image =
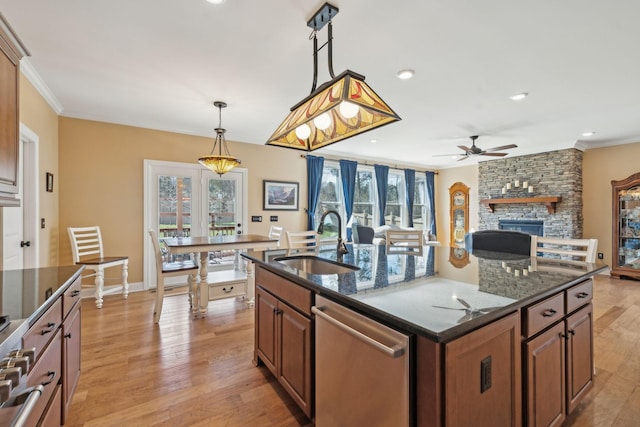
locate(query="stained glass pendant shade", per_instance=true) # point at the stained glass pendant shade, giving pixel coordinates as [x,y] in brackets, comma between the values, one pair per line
[341,108]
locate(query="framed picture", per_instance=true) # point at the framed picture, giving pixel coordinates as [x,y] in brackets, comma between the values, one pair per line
[280,196]
[49,182]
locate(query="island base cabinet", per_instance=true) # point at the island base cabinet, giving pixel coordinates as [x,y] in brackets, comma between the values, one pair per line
[546,378]
[283,344]
[559,369]
[483,376]
[71,329]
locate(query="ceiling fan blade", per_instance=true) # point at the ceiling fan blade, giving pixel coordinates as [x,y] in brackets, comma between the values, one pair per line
[448,308]
[463,157]
[494,154]
[466,149]
[463,302]
[448,155]
[504,147]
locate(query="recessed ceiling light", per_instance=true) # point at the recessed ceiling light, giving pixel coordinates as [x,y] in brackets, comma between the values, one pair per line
[373,141]
[519,96]
[589,133]
[405,74]
[216,1]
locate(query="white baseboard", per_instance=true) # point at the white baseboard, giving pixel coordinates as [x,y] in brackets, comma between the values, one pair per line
[89,292]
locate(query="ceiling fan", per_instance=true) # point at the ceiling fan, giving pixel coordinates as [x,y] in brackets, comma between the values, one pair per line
[470,312]
[474,150]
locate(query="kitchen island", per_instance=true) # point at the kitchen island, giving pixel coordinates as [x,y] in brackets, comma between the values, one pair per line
[489,339]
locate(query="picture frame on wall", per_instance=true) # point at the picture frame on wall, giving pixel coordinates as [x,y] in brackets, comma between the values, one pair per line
[280,195]
[49,182]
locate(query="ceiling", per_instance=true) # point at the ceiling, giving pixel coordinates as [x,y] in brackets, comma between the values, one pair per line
[160,64]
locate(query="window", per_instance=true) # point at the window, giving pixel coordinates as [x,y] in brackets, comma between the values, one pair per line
[420,214]
[365,204]
[364,198]
[330,194]
[395,209]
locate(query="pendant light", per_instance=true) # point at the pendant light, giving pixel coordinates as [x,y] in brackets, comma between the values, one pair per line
[220,163]
[340,108]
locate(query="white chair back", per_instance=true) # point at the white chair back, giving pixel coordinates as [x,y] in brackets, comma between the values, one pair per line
[570,249]
[275,232]
[307,240]
[86,242]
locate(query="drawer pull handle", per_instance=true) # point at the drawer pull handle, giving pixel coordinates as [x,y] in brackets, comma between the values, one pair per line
[52,376]
[51,326]
[548,312]
[67,335]
[582,295]
[227,291]
[75,293]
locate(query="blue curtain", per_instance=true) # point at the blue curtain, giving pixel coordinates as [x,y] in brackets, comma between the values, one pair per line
[382,179]
[431,196]
[410,187]
[348,175]
[314,182]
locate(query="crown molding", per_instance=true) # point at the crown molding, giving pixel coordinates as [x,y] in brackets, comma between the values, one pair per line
[32,75]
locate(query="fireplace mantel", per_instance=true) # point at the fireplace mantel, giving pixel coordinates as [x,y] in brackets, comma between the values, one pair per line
[549,202]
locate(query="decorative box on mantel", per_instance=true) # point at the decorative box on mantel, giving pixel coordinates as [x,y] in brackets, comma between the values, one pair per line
[549,202]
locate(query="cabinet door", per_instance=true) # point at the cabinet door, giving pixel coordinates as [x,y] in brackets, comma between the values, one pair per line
[295,355]
[579,355]
[266,308]
[70,356]
[483,376]
[8,123]
[546,378]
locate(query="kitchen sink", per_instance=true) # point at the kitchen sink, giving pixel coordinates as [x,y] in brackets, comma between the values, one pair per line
[316,265]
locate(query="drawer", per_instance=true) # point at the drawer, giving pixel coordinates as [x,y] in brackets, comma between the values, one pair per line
[47,371]
[41,332]
[232,289]
[293,294]
[71,296]
[579,295]
[543,314]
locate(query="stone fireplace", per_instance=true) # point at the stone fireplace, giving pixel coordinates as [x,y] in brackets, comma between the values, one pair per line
[555,173]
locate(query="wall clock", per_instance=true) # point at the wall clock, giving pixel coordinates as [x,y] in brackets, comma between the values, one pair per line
[459,213]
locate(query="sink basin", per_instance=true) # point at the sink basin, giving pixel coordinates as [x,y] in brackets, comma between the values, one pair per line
[315,265]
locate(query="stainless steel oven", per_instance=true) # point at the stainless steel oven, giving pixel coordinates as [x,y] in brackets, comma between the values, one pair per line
[363,370]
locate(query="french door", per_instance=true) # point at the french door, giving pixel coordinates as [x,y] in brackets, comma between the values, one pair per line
[184,199]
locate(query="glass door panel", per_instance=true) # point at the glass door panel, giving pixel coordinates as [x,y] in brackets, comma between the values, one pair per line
[174,206]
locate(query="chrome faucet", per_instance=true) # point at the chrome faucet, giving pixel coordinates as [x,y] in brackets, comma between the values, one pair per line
[342,248]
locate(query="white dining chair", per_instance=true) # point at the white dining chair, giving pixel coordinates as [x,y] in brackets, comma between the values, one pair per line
[275,232]
[171,269]
[87,250]
[301,241]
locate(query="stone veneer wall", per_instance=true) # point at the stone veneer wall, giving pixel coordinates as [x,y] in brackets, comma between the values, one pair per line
[555,173]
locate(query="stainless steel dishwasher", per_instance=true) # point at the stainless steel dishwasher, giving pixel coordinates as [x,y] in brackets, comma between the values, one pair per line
[363,370]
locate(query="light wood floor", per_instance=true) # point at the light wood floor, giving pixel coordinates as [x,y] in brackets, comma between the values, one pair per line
[187,372]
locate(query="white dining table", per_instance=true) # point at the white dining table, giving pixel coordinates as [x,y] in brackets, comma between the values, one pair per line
[203,245]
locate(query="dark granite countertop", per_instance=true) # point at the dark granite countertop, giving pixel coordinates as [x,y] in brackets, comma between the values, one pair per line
[26,294]
[426,293]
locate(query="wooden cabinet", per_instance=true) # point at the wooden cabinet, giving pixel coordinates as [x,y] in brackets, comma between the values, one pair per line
[71,328]
[626,227]
[483,376]
[11,51]
[559,360]
[283,335]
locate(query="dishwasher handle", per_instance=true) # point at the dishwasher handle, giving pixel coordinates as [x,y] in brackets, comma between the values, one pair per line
[393,352]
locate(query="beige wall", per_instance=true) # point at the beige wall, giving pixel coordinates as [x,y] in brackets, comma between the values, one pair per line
[38,116]
[101,181]
[468,175]
[600,167]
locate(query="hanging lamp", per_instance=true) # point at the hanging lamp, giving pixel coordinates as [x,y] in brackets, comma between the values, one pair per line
[220,163]
[340,108]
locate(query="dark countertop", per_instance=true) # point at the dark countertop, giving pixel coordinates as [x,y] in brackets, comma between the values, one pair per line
[425,293]
[26,294]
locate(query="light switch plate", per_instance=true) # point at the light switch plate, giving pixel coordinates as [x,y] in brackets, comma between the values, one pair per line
[256,218]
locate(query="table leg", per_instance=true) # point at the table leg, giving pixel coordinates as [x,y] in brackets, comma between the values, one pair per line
[203,285]
[251,283]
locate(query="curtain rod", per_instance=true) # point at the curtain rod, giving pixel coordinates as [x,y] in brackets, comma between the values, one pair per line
[304,156]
